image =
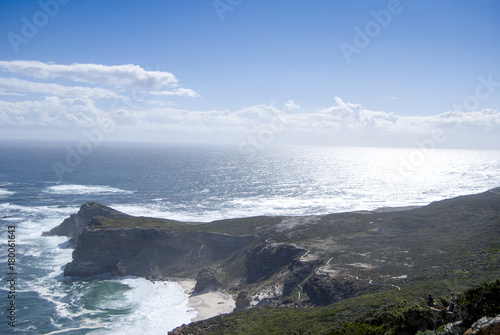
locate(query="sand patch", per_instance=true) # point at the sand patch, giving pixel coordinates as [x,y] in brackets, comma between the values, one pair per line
[207,304]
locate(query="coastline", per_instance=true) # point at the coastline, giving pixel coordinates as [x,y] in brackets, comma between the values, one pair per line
[207,304]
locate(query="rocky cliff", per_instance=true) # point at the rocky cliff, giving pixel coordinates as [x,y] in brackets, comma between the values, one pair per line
[73,226]
[148,252]
[313,260]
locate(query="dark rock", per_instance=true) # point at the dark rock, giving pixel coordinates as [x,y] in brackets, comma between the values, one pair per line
[242,301]
[299,271]
[485,326]
[264,260]
[206,280]
[324,289]
[273,302]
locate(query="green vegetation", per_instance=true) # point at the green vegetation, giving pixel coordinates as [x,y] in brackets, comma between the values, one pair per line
[243,226]
[473,304]
[137,222]
[480,301]
[367,315]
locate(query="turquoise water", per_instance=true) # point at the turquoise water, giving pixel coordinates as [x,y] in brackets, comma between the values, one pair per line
[39,189]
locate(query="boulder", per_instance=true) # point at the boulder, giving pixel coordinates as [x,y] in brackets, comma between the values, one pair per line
[242,301]
[206,280]
[485,326]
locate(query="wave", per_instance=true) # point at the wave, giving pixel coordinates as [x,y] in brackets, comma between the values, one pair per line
[121,306]
[85,189]
[157,307]
[208,210]
[5,193]
[20,212]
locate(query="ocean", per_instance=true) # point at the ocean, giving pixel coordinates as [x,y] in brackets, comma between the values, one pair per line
[43,183]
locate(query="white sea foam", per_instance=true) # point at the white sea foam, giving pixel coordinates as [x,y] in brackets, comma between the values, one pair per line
[146,307]
[4,193]
[185,214]
[156,308]
[54,212]
[37,255]
[85,189]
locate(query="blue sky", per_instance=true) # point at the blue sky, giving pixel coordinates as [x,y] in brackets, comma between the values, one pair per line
[331,72]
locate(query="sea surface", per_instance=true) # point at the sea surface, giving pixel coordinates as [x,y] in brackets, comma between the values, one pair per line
[43,183]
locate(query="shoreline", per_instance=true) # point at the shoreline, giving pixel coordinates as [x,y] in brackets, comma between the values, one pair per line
[207,304]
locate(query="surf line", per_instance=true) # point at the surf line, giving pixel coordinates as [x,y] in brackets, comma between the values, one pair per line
[11,275]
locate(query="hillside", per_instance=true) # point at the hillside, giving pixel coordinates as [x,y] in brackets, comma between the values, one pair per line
[347,262]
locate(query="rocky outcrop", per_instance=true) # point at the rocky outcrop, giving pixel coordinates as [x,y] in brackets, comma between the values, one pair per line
[485,326]
[299,271]
[207,280]
[326,289]
[242,301]
[264,260]
[73,226]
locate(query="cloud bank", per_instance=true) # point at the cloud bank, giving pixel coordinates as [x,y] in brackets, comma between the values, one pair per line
[37,95]
[118,75]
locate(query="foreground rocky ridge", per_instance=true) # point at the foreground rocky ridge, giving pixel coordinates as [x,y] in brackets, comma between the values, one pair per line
[293,261]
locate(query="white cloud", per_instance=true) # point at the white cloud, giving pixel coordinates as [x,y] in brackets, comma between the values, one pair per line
[43,102]
[354,116]
[487,118]
[14,86]
[116,75]
[291,106]
[340,119]
[51,111]
[186,92]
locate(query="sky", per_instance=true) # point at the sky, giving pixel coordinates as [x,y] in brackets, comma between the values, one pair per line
[256,73]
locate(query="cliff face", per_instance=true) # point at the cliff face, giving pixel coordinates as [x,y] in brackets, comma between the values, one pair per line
[264,260]
[148,252]
[325,289]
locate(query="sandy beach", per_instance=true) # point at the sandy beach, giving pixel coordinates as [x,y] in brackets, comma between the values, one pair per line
[207,304]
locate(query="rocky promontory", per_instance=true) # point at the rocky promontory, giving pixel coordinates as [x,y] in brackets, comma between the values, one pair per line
[73,226]
[291,261]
